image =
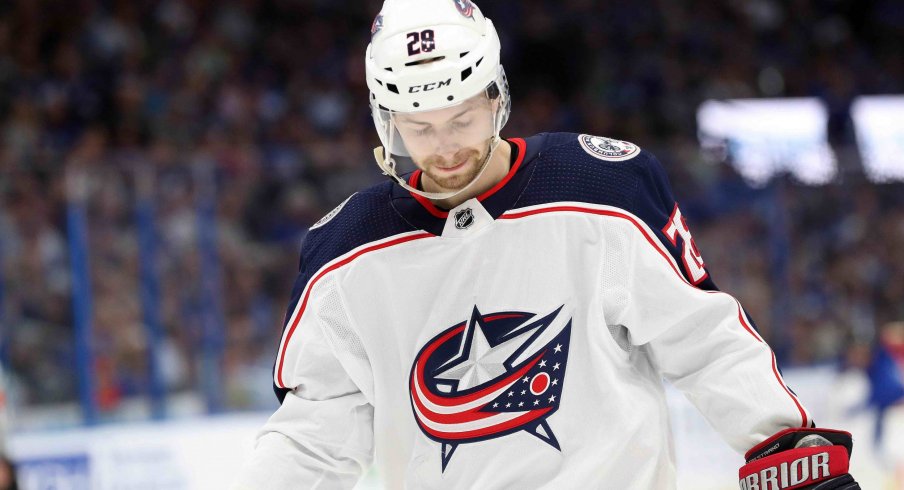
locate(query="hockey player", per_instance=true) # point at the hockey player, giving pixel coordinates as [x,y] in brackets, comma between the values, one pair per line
[502,316]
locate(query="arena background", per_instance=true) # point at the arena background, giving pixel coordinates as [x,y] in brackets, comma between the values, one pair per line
[161,161]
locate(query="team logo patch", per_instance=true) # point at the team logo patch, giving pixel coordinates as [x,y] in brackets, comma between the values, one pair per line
[464,219]
[491,376]
[332,214]
[608,149]
[465,7]
[376,26]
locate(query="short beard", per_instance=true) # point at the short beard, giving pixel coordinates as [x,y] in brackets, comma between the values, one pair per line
[472,167]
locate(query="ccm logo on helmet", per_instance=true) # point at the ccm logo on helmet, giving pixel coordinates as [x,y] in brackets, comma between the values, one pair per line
[429,86]
[788,474]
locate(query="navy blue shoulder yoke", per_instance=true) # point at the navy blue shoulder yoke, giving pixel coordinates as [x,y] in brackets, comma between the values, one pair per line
[590,169]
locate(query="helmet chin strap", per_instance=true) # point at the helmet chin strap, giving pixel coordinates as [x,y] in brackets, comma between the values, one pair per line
[387,164]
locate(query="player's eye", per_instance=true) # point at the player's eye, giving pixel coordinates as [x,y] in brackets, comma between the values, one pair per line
[423,131]
[461,123]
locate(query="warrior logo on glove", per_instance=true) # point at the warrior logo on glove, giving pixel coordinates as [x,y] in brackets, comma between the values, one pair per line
[491,376]
[800,459]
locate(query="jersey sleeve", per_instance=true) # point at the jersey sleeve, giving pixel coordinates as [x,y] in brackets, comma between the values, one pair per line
[322,434]
[700,339]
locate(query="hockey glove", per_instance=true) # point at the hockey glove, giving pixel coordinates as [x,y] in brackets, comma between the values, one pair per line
[800,459]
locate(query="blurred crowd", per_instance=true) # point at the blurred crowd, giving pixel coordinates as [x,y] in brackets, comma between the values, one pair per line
[261,106]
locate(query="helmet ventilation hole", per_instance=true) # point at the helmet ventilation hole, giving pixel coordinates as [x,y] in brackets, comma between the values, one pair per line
[425,61]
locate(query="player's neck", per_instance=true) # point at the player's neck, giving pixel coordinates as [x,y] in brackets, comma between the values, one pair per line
[497,168]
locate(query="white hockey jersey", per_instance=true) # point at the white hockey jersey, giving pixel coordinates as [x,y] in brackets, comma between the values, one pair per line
[517,341]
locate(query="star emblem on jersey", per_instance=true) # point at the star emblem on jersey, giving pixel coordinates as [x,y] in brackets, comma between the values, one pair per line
[607,148]
[464,219]
[491,376]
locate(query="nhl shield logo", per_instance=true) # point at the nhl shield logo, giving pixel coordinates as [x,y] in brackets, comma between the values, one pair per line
[464,219]
[491,376]
[608,149]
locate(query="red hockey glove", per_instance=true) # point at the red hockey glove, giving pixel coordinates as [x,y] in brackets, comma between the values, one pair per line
[800,459]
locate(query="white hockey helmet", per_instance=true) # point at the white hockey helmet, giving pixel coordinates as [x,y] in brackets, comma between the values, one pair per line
[427,55]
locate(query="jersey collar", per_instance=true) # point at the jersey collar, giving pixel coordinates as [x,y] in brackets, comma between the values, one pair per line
[423,214]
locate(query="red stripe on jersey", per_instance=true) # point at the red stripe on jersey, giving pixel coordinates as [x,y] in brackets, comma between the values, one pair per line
[522,149]
[800,408]
[495,429]
[500,317]
[426,203]
[439,213]
[310,285]
[460,417]
[650,240]
[803,413]
[743,321]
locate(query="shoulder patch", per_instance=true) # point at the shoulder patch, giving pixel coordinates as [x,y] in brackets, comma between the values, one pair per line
[332,214]
[608,149]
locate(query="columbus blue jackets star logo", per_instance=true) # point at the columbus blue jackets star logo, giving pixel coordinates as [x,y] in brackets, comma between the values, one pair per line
[465,7]
[489,377]
[376,26]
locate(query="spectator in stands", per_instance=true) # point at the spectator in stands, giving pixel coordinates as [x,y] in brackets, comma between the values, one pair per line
[7,475]
[886,374]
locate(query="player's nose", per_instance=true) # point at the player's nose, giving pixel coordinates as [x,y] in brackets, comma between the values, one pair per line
[446,145]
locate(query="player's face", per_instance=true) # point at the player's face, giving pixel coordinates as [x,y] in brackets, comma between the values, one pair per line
[449,145]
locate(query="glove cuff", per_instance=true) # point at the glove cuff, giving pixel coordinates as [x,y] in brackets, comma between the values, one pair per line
[794,468]
[791,438]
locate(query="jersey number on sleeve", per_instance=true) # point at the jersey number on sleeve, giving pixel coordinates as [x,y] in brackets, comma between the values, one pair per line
[693,262]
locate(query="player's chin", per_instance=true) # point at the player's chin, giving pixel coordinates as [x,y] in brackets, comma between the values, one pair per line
[456,177]
[463,162]
[450,183]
